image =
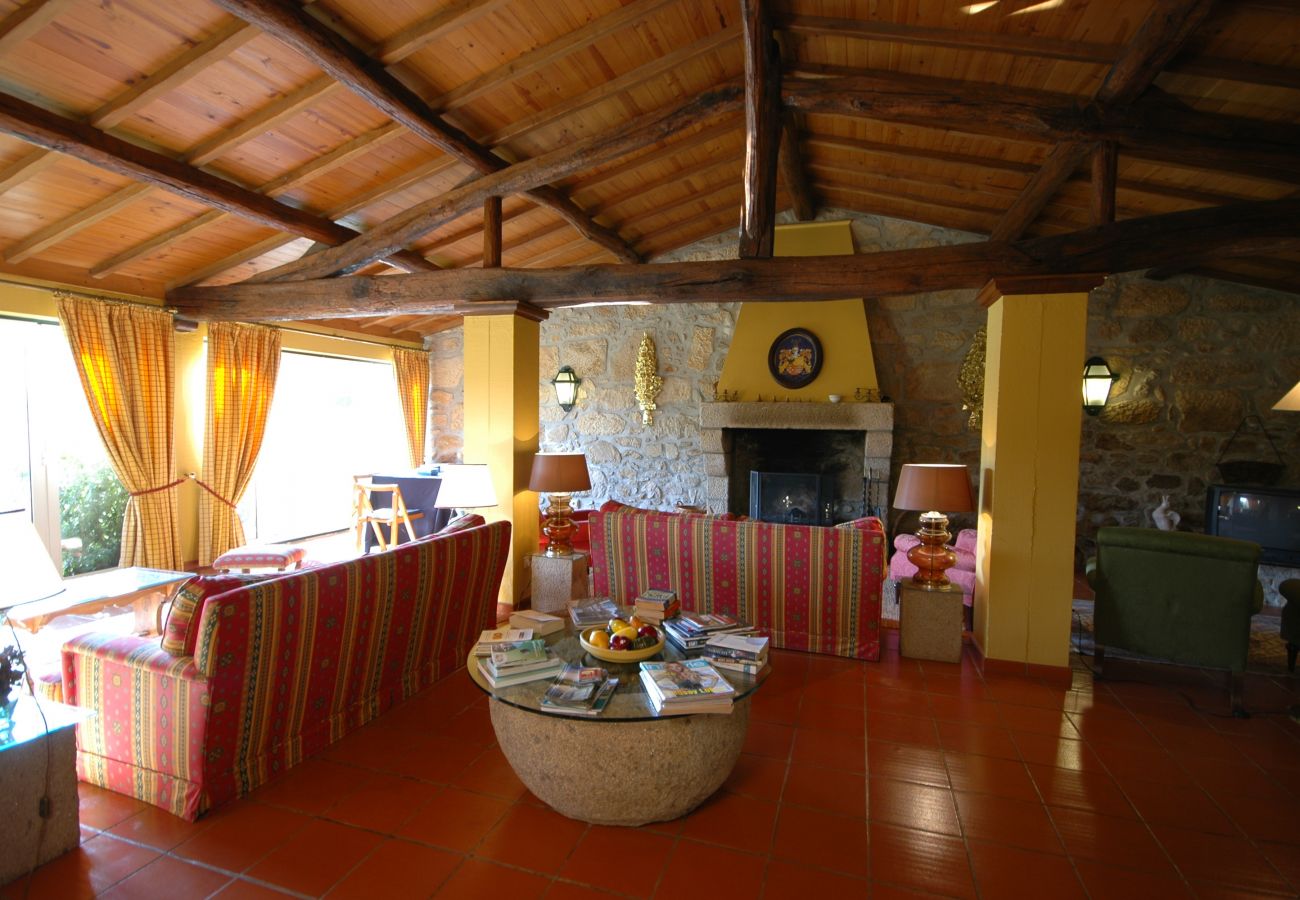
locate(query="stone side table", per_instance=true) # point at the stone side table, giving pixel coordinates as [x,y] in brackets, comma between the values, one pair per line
[662,766]
[930,622]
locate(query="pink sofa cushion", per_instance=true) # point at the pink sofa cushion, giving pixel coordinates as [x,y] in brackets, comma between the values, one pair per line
[264,557]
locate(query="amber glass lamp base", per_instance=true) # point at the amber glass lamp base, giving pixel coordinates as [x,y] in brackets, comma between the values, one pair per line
[932,557]
[559,528]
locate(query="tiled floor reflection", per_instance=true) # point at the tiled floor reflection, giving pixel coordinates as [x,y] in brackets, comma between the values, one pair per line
[889,780]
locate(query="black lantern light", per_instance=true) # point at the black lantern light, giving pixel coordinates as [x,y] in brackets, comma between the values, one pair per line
[566,387]
[1097,381]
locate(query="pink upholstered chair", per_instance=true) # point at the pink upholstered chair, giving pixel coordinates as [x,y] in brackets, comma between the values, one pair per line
[961,574]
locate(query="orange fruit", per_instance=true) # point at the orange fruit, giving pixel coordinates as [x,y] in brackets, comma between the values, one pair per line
[598,639]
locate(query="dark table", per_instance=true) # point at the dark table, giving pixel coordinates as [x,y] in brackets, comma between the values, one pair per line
[419,493]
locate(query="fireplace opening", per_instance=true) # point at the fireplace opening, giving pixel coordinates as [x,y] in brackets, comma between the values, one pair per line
[770,461]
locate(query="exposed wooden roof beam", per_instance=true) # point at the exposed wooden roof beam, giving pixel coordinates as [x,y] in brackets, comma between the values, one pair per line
[1060,164]
[261,121]
[1123,246]
[884,181]
[587,153]
[793,171]
[65,228]
[762,130]
[369,80]
[28,165]
[895,189]
[1104,169]
[1206,140]
[645,155]
[45,129]
[492,233]
[156,244]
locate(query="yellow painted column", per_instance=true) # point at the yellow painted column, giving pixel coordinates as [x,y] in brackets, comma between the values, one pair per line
[501,426]
[1029,471]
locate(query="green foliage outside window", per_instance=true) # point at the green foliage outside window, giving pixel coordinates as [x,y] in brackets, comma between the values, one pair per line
[92,503]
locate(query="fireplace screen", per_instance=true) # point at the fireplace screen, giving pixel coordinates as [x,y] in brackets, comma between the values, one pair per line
[791,498]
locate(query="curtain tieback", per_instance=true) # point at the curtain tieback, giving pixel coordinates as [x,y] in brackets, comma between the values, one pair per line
[161,487]
[209,489]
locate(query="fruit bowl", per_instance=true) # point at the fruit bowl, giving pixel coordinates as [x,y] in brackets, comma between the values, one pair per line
[618,656]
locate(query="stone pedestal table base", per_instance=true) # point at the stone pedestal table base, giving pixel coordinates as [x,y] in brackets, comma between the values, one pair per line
[611,772]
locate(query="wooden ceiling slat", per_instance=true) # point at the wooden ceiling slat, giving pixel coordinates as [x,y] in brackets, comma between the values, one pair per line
[641,158]
[22,169]
[649,188]
[227,40]
[27,20]
[156,244]
[65,228]
[965,39]
[540,57]
[413,37]
[263,120]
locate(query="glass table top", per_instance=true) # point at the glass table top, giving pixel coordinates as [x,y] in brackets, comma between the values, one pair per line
[629,703]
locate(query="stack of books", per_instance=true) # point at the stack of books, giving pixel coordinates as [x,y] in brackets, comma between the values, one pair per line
[690,631]
[495,638]
[590,613]
[519,663]
[541,623]
[737,652]
[655,605]
[579,691]
[686,687]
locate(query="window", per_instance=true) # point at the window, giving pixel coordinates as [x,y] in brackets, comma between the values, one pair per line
[331,419]
[52,461]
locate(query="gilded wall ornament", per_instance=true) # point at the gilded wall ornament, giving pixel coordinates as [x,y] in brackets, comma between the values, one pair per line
[648,382]
[970,378]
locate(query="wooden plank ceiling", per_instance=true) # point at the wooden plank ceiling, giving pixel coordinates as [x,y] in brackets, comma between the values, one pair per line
[281,155]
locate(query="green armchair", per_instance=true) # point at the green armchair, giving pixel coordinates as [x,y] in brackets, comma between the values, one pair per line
[1184,597]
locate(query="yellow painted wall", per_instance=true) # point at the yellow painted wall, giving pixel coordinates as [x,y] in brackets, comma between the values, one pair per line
[1029,477]
[501,429]
[840,325]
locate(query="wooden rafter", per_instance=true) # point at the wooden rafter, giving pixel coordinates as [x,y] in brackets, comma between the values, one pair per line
[26,20]
[1060,164]
[522,177]
[762,131]
[492,233]
[368,79]
[1104,170]
[794,170]
[1149,130]
[1123,246]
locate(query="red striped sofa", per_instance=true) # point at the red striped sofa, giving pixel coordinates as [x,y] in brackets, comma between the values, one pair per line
[810,588]
[281,669]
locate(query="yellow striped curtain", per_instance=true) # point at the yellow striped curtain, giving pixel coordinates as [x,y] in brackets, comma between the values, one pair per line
[243,362]
[126,357]
[412,370]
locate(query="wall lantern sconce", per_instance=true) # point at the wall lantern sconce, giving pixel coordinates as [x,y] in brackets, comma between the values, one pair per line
[566,387]
[1097,381]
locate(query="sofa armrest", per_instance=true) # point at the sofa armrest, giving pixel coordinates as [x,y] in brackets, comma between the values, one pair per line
[138,690]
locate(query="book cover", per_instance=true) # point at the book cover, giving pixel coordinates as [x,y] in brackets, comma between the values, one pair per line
[686,678]
[703,704]
[546,670]
[594,708]
[656,597]
[541,623]
[506,656]
[598,611]
[745,646]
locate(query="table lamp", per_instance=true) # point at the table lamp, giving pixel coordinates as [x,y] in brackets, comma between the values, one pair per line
[466,486]
[29,573]
[932,487]
[559,475]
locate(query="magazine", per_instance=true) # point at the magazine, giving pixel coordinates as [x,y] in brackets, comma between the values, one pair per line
[597,611]
[676,681]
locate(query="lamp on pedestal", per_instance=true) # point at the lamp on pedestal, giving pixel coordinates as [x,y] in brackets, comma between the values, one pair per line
[933,487]
[559,475]
[1290,402]
[29,575]
[465,486]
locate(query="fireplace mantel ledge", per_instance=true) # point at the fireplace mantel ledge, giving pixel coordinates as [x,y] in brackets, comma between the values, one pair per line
[823,416]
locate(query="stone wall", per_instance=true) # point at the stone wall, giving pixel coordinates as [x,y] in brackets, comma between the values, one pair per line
[1194,356]
[447,394]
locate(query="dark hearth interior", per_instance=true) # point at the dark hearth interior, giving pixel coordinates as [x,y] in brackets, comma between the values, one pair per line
[837,455]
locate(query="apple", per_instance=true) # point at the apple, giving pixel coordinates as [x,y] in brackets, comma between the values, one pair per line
[618,642]
[648,631]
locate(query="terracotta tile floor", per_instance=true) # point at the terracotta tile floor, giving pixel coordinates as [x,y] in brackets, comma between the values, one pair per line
[887,780]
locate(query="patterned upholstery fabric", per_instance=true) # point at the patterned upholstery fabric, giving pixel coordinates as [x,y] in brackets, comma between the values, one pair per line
[282,668]
[279,557]
[814,589]
[460,523]
[181,631]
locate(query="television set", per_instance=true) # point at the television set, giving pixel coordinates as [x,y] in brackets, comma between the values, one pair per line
[1267,516]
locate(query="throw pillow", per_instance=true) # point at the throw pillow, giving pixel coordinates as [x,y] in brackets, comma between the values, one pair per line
[181,633]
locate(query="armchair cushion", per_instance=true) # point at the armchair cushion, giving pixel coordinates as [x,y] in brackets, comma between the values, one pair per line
[1175,595]
[181,631]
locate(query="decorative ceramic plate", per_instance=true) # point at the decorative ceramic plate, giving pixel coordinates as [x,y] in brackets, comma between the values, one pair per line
[618,656]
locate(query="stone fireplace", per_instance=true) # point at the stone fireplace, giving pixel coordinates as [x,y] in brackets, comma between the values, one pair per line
[870,423]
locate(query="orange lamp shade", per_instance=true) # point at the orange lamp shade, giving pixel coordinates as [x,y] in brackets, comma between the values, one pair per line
[559,473]
[937,486]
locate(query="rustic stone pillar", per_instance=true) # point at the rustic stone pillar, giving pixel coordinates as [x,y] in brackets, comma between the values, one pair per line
[1029,470]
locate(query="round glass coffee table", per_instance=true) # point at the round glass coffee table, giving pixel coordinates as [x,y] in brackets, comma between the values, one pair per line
[627,766]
